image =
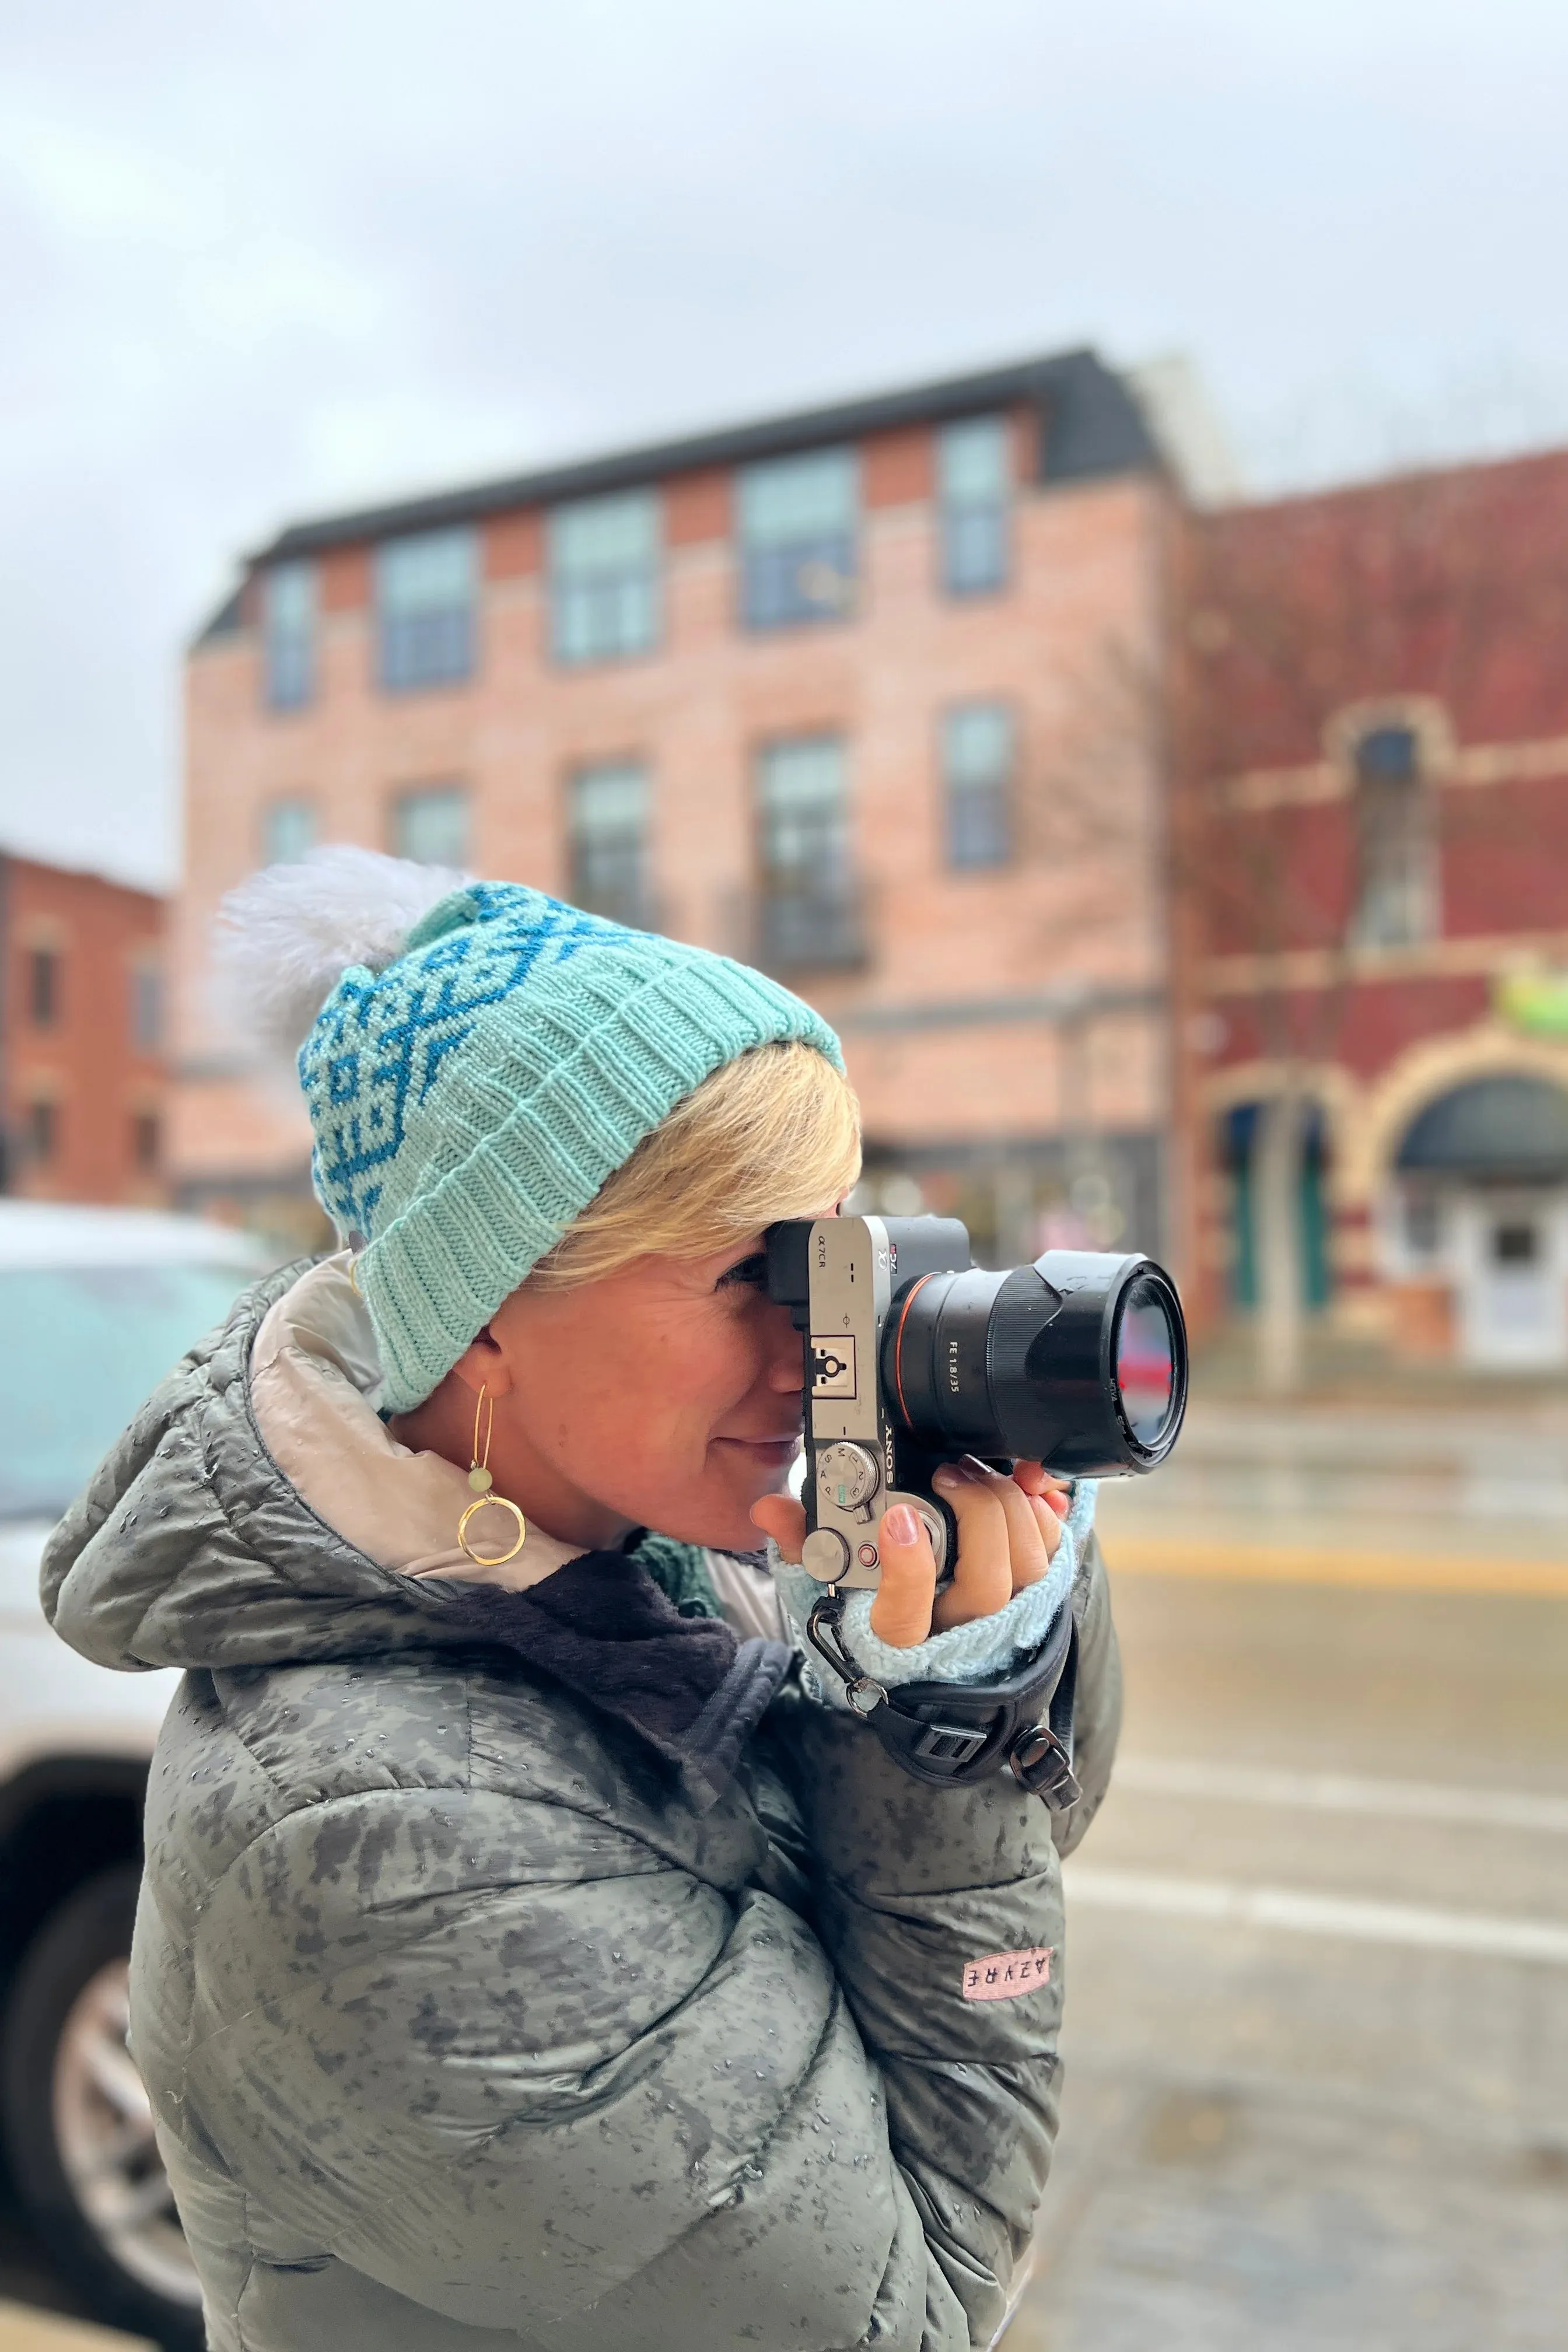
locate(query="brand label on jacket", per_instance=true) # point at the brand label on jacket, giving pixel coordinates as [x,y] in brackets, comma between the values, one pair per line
[1002,1976]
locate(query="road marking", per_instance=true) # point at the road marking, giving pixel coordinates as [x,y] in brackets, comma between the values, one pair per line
[1340,1792]
[1403,1571]
[1486,1935]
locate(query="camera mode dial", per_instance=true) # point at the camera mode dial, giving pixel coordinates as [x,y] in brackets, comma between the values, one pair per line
[847,1476]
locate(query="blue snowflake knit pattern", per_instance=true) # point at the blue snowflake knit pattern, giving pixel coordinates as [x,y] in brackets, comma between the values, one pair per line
[377,1048]
[469,1101]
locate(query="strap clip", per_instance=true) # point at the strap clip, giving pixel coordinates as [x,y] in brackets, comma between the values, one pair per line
[1040,1763]
[823,1631]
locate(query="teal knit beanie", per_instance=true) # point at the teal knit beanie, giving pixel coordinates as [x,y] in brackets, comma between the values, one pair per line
[469,1098]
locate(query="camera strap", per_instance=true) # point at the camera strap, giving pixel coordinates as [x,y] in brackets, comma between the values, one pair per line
[952,1734]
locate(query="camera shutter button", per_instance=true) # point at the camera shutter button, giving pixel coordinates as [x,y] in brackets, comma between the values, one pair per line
[825,1555]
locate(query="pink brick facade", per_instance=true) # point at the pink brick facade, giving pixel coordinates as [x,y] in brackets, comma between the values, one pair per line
[1006,1029]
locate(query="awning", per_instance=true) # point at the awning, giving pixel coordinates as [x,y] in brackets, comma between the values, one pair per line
[1502,1128]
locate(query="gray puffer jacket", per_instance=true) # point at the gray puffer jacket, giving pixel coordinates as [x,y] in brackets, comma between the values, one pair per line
[487,1998]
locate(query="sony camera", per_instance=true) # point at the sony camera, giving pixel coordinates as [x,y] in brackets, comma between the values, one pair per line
[914,1356]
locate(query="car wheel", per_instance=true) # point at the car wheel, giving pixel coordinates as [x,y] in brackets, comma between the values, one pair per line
[78,2125]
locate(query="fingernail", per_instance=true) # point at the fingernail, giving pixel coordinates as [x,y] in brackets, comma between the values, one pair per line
[900,1525]
[947,1474]
[975,1469]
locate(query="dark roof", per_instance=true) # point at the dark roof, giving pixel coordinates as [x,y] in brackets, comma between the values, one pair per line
[1094,427]
[229,617]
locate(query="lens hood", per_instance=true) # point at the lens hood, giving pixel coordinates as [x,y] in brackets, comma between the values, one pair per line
[1079,1361]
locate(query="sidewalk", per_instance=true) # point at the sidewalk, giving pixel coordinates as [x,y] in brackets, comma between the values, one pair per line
[1341,1371]
[23,2330]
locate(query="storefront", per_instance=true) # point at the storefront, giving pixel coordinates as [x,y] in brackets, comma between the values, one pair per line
[1018,1197]
[1481,1221]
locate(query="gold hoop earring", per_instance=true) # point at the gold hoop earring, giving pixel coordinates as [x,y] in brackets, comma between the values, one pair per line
[483,1484]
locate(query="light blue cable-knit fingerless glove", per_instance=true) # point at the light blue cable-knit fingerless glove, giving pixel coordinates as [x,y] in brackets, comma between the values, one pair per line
[982,1650]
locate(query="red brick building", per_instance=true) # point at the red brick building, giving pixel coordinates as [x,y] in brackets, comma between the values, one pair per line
[1373,883]
[827,691]
[81,1066]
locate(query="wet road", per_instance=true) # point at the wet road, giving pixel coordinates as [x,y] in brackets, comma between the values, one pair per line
[1317,2044]
[1317,2084]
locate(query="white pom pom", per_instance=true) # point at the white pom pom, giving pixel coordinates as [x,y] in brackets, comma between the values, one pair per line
[285,937]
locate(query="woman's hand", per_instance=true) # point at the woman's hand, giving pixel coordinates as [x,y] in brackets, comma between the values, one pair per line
[1008,1531]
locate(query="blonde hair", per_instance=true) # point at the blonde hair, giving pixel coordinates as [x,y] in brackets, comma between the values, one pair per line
[775,1133]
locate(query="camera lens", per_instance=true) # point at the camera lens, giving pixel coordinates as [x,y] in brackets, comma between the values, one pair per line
[1079,1361]
[1146,1362]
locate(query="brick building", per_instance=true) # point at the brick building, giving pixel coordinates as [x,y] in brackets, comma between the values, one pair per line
[81,1069]
[1375,899]
[832,692]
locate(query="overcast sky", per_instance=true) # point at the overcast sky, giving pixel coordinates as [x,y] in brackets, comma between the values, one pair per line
[260,262]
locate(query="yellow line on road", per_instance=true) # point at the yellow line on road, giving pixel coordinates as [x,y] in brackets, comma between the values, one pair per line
[1405,1572]
[22,2330]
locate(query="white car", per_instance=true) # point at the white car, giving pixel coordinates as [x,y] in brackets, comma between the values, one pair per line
[96,1305]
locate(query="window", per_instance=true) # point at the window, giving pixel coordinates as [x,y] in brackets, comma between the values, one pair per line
[977,779]
[145,1141]
[797,538]
[974,487]
[44,987]
[603,577]
[426,592]
[608,829]
[41,1133]
[431,826]
[288,635]
[288,832]
[146,1007]
[1396,870]
[808,905]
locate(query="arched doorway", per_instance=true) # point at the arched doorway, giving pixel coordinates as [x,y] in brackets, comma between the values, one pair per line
[1238,1136]
[1483,1180]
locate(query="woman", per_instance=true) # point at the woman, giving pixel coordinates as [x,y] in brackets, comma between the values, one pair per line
[530,1954]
